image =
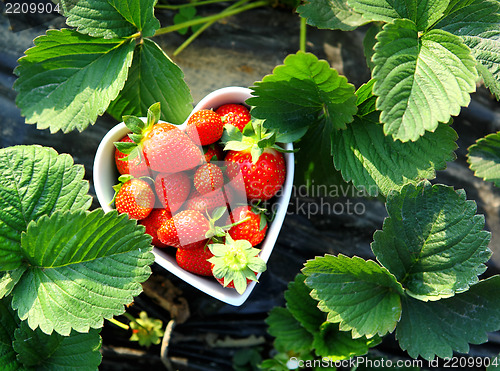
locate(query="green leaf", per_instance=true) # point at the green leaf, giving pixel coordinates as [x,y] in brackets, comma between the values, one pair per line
[8,326]
[378,164]
[81,267]
[330,14]
[432,241]
[56,352]
[302,91]
[112,18]
[424,13]
[360,295]
[369,42]
[478,24]
[420,81]
[289,333]
[9,279]
[302,306]
[68,79]
[438,328]
[153,77]
[337,345]
[35,181]
[484,158]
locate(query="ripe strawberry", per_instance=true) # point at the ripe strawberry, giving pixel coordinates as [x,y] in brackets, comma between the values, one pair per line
[195,260]
[135,166]
[235,262]
[205,127]
[234,114]
[207,202]
[208,178]
[213,152]
[134,197]
[172,189]
[164,146]
[264,178]
[185,229]
[153,222]
[253,230]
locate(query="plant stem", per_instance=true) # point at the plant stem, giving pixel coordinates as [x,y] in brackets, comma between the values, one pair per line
[204,27]
[303,32]
[119,324]
[198,3]
[215,17]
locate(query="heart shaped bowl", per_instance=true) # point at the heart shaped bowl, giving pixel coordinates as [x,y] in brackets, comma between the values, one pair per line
[105,176]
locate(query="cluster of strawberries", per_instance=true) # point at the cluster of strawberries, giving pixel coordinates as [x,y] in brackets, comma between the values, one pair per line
[197,190]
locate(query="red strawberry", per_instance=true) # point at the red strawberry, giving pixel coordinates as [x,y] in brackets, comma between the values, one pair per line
[213,152]
[164,146]
[168,149]
[264,178]
[234,114]
[172,189]
[185,229]
[135,166]
[235,262]
[195,260]
[134,197]
[205,127]
[207,202]
[254,229]
[208,178]
[153,222]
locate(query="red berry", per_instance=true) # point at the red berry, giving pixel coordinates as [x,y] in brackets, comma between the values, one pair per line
[250,229]
[153,222]
[172,189]
[205,127]
[167,149]
[234,114]
[208,178]
[135,198]
[134,166]
[207,202]
[185,229]
[195,260]
[264,178]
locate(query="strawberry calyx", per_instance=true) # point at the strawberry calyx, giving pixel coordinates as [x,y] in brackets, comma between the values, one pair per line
[139,130]
[254,138]
[216,232]
[236,262]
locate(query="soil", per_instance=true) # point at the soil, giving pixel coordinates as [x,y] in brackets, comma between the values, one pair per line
[237,52]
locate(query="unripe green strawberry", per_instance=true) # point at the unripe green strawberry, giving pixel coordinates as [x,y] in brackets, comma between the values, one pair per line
[172,189]
[208,178]
[195,260]
[253,229]
[135,198]
[205,127]
[234,114]
[186,230]
[153,221]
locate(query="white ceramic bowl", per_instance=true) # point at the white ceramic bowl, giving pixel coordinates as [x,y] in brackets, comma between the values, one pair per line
[105,176]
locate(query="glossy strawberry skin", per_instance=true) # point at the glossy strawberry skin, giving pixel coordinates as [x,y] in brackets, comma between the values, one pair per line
[248,230]
[234,114]
[134,166]
[135,198]
[167,149]
[172,189]
[195,260]
[208,178]
[205,127]
[207,202]
[186,230]
[264,178]
[213,152]
[153,221]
